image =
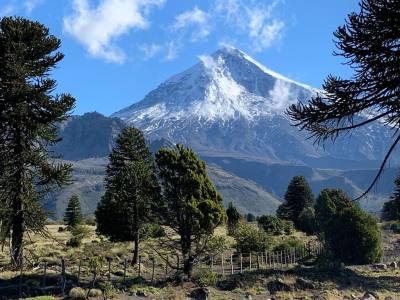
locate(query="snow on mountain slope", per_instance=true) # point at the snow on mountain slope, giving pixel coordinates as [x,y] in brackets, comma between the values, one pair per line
[229,103]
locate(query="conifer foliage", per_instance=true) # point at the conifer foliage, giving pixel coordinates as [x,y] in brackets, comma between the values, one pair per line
[193,208]
[369,41]
[391,209]
[29,114]
[233,218]
[73,214]
[298,197]
[131,190]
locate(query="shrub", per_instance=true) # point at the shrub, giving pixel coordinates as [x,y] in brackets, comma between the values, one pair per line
[74,242]
[352,235]
[90,221]
[291,243]
[206,278]
[395,227]
[274,225]
[61,229]
[95,293]
[77,293]
[217,244]
[108,289]
[250,238]
[306,221]
[153,230]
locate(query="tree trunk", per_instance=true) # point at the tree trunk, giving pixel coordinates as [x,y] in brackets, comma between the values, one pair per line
[187,255]
[17,235]
[135,258]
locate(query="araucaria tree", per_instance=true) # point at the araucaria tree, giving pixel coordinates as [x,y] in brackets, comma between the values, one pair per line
[391,209]
[29,114]
[193,208]
[369,41]
[73,214]
[233,218]
[298,197]
[131,190]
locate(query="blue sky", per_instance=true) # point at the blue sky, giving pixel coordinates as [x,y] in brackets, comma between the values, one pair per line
[116,51]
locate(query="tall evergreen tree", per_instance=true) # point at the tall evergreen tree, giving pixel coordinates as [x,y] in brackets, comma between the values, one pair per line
[233,218]
[391,209]
[131,190]
[193,208]
[29,114]
[297,198]
[369,41]
[73,214]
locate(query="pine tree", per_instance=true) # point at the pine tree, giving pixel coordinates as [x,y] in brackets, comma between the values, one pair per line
[369,41]
[233,218]
[131,190]
[29,115]
[73,214]
[193,208]
[297,198]
[391,209]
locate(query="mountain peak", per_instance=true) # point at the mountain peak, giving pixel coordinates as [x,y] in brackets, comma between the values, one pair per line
[225,86]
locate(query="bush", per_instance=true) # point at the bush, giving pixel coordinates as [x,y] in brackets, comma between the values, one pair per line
[77,293]
[206,278]
[153,230]
[351,235]
[395,227]
[306,221]
[217,244]
[90,221]
[291,243]
[61,229]
[108,289]
[95,293]
[274,225]
[250,238]
[74,242]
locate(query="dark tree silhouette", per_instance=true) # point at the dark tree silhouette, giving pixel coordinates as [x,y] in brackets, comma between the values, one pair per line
[29,115]
[233,218]
[391,209]
[369,41]
[73,214]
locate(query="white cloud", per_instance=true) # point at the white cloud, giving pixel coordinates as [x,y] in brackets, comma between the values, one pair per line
[30,5]
[172,49]
[196,18]
[281,96]
[150,50]
[255,19]
[98,28]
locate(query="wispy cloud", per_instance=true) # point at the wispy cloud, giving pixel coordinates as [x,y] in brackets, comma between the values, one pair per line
[150,50]
[97,28]
[197,20]
[15,7]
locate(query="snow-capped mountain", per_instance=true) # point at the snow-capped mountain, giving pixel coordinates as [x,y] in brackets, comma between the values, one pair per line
[229,103]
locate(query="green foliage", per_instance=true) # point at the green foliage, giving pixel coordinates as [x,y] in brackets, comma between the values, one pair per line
[352,235]
[79,232]
[153,230]
[250,238]
[298,197]
[131,190]
[275,226]
[108,289]
[395,227]
[74,242]
[391,209]
[42,298]
[77,293]
[217,244]
[73,214]
[289,244]
[233,218]
[192,206]
[306,221]
[206,278]
[29,114]
[250,218]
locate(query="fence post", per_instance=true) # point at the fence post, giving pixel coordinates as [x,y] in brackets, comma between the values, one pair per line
[152,269]
[212,263]
[241,263]
[78,281]
[124,280]
[222,264]
[63,279]
[262,260]
[231,264]
[250,262]
[140,265]
[177,261]
[258,263]
[109,268]
[44,274]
